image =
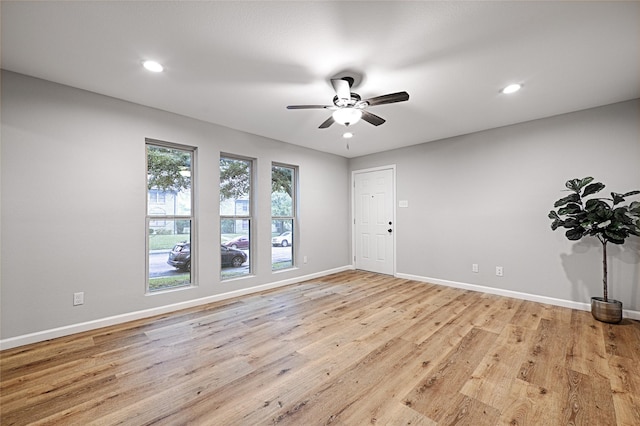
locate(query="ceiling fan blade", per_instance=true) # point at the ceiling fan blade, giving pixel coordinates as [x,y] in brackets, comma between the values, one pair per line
[328,122]
[342,88]
[372,118]
[308,106]
[388,99]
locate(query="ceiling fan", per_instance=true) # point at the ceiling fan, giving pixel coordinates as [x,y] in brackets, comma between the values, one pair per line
[348,107]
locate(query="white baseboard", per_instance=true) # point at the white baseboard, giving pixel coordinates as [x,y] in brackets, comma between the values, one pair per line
[626,313]
[53,333]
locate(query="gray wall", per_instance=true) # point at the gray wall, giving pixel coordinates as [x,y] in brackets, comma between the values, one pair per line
[73,205]
[67,154]
[484,198]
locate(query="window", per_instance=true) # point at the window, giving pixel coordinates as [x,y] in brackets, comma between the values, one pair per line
[156,197]
[235,216]
[169,216]
[283,215]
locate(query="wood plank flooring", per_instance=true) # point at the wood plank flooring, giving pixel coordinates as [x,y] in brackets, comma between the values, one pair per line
[353,348]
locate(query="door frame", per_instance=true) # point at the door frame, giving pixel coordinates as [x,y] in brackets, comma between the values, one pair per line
[391,167]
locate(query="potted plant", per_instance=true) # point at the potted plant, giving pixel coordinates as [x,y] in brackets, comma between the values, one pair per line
[607,219]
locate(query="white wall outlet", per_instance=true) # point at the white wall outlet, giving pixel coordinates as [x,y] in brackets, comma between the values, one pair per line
[304,259]
[499,271]
[78,298]
[474,267]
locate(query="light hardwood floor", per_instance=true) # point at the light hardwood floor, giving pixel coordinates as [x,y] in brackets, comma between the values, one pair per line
[353,348]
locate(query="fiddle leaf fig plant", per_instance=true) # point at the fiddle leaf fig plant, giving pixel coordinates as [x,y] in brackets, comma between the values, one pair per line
[583,214]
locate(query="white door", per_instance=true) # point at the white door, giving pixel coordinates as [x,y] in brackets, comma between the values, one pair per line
[373,221]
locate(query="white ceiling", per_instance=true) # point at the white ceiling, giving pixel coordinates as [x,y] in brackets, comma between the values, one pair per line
[239,64]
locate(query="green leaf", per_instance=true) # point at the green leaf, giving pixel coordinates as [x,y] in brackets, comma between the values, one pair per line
[629,194]
[605,213]
[617,198]
[571,223]
[585,181]
[595,204]
[571,208]
[556,224]
[616,237]
[553,215]
[592,189]
[573,198]
[621,215]
[577,184]
[592,217]
[574,233]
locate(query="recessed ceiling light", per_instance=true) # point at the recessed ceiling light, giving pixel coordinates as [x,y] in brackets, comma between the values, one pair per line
[347,135]
[512,88]
[153,66]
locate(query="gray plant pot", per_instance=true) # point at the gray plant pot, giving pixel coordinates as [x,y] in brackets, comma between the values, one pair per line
[609,311]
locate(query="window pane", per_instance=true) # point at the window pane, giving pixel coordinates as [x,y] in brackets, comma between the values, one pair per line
[235,247]
[235,187]
[282,244]
[168,181]
[281,190]
[169,253]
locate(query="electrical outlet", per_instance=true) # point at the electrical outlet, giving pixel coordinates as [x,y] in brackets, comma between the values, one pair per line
[499,271]
[304,259]
[474,267]
[78,298]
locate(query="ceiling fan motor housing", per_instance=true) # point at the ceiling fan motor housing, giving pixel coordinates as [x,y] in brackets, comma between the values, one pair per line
[341,103]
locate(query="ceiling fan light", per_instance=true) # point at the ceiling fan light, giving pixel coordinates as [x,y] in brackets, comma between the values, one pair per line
[347,116]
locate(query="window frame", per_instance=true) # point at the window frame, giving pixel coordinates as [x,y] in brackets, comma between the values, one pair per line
[294,214]
[250,216]
[192,150]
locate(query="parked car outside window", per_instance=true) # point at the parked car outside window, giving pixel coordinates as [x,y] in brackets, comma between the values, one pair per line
[240,242]
[232,257]
[180,256]
[283,239]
